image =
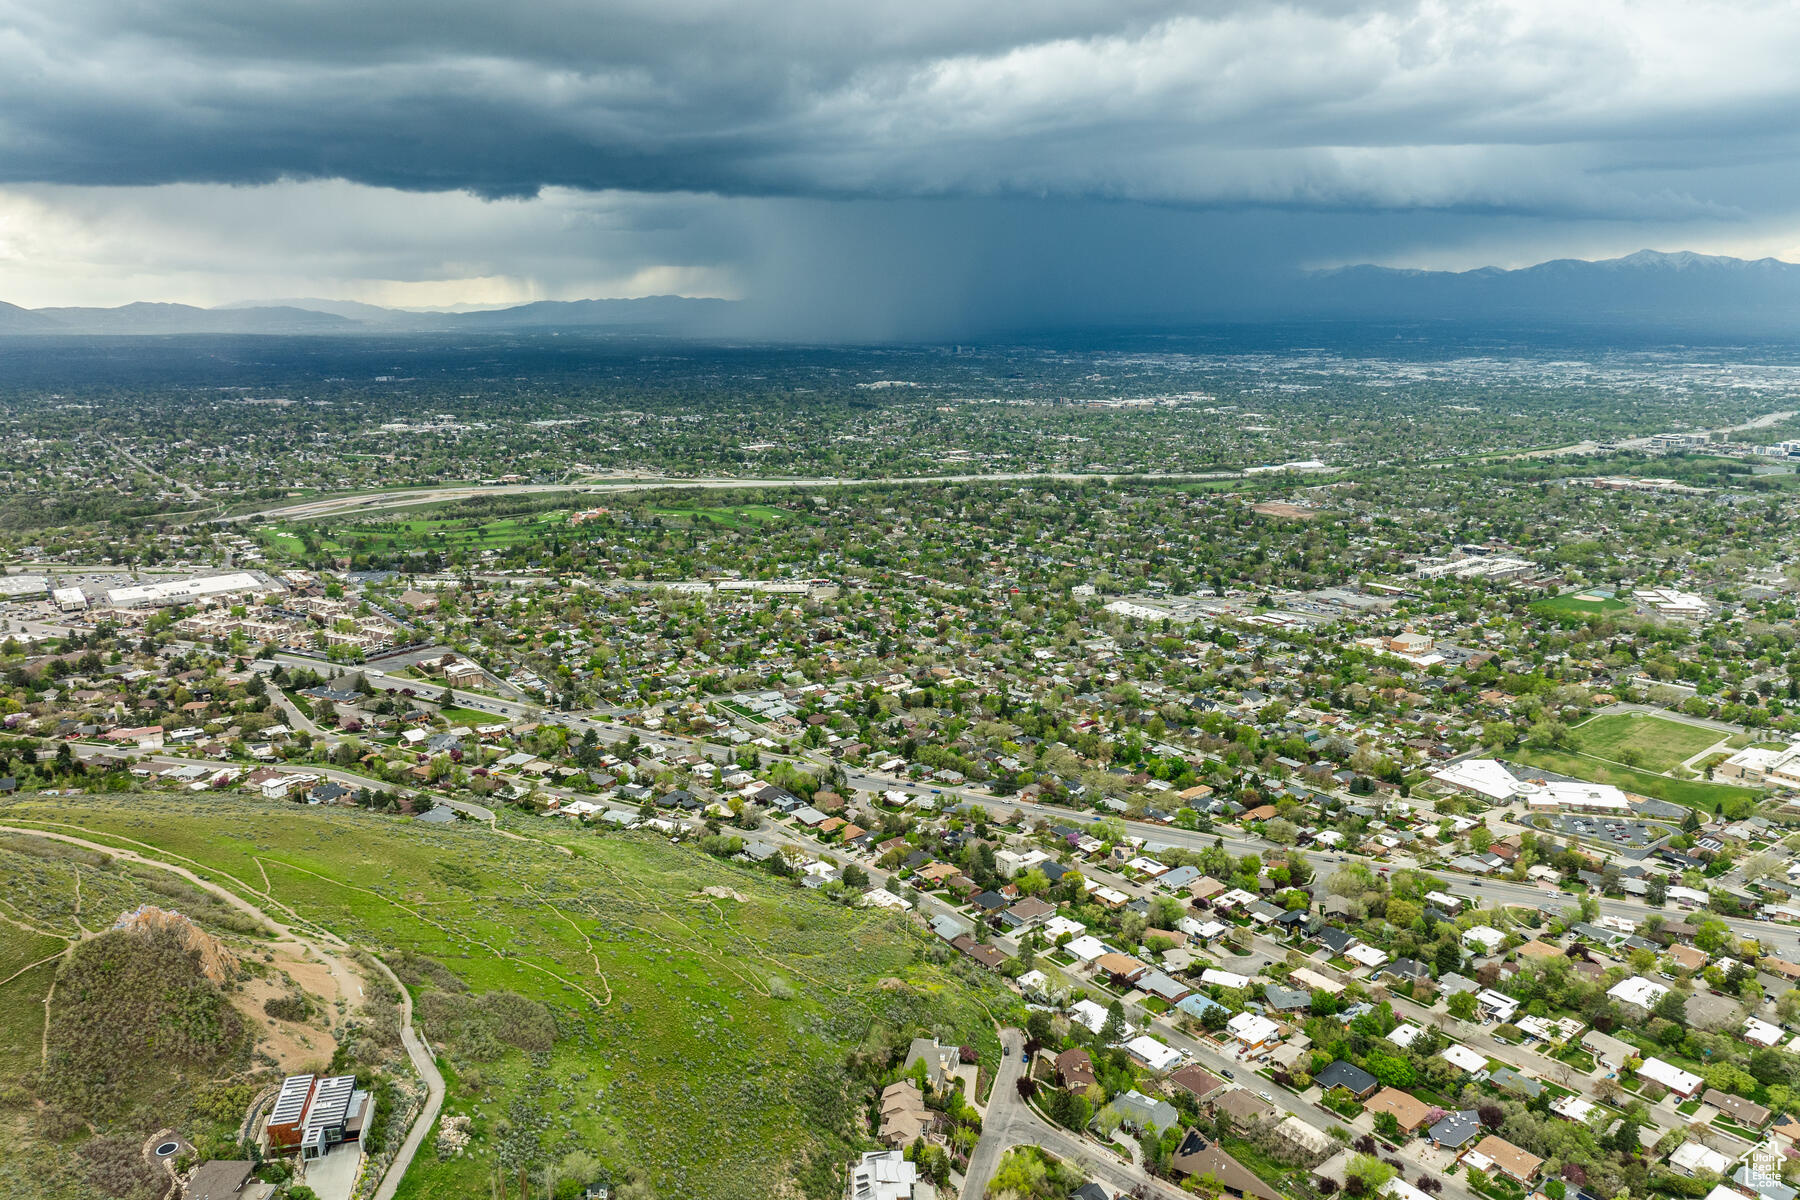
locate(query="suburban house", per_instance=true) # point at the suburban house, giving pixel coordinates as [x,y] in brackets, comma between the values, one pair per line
[1352,1078]
[886,1175]
[1075,1069]
[1455,1130]
[904,1117]
[1745,1112]
[1405,1109]
[1682,1083]
[1608,1051]
[314,1114]
[1199,1156]
[1496,1155]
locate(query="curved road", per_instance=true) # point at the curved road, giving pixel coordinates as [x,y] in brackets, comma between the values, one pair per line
[346,980]
[1011,1122]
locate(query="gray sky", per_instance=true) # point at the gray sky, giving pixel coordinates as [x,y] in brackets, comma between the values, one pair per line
[875,168]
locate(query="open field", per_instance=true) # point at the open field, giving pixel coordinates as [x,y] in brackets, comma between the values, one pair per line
[1572,605]
[732,516]
[699,1043]
[1705,797]
[1657,744]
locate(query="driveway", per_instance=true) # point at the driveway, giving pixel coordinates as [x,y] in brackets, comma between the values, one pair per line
[333,1176]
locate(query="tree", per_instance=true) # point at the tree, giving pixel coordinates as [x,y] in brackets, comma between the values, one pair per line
[1113,1031]
[1462,1006]
[1672,1007]
[1388,1126]
[1369,1172]
[855,877]
[1281,832]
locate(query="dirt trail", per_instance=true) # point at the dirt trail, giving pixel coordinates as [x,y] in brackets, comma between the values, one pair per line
[341,971]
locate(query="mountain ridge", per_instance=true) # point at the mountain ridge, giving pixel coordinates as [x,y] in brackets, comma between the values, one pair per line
[1650,288]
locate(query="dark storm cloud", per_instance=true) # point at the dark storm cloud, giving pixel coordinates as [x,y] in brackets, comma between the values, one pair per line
[1586,110]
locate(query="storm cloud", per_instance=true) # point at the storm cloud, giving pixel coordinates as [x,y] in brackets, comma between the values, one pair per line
[781,149]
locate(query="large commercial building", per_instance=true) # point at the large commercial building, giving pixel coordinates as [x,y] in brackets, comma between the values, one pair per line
[1763,767]
[186,591]
[1496,782]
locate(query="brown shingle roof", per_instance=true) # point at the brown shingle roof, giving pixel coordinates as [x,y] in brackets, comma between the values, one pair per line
[1075,1068]
[1407,1109]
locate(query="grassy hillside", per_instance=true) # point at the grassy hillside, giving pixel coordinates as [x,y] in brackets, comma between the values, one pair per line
[698,1044]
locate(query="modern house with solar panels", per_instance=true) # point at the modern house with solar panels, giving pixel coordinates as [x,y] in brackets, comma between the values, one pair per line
[312,1114]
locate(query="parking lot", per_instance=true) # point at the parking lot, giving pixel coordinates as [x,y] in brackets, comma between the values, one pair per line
[1620,833]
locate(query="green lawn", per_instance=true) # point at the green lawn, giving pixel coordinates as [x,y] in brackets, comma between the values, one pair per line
[732,516]
[1660,744]
[1572,605]
[457,715]
[700,1043]
[419,529]
[1695,794]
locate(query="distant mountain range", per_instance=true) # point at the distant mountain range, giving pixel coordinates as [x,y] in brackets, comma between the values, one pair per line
[672,315]
[1648,289]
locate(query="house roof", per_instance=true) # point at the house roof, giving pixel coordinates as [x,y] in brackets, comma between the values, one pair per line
[1121,965]
[1508,1157]
[1243,1105]
[1406,1109]
[219,1179]
[1196,1081]
[1456,1128]
[1348,1076]
[1745,1112]
[1198,1155]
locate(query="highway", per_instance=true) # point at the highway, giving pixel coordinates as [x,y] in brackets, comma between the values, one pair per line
[361,502]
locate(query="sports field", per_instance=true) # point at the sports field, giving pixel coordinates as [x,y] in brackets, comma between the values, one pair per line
[1641,740]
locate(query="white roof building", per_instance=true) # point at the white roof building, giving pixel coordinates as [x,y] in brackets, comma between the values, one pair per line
[1577,796]
[1691,1158]
[181,591]
[1399,1189]
[1574,1108]
[1497,1005]
[1088,1014]
[886,1175]
[1761,1033]
[1252,1029]
[1464,1059]
[1485,936]
[1368,956]
[1405,1035]
[1227,979]
[1153,1054]
[1484,777]
[1644,993]
[1087,947]
[1682,1083]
